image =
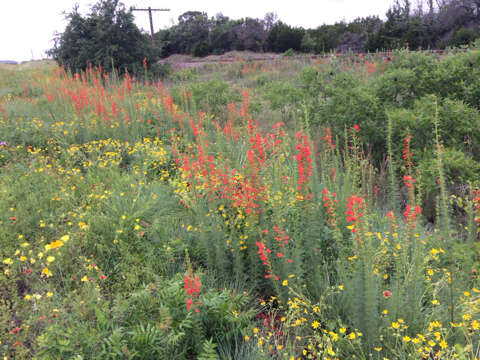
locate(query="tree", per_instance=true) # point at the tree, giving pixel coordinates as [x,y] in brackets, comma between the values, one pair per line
[249,34]
[283,37]
[308,44]
[107,37]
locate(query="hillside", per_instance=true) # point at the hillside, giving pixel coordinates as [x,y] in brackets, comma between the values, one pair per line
[288,208]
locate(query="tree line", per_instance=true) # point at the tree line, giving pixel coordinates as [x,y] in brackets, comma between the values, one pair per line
[425,25]
[109,36]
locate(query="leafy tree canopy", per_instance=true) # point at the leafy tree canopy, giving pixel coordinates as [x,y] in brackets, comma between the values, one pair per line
[107,37]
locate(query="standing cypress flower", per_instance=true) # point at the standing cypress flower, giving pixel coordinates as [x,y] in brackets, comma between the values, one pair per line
[353,215]
[304,164]
[192,288]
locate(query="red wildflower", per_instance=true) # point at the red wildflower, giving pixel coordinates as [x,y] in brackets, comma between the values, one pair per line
[192,288]
[304,160]
[386,294]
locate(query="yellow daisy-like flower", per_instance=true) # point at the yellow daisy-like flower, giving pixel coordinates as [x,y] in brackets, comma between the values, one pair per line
[352,336]
[48,294]
[333,335]
[7,261]
[84,278]
[315,324]
[65,238]
[82,225]
[46,272]
[285,282]
[50,259]
[330,351]
[53,245]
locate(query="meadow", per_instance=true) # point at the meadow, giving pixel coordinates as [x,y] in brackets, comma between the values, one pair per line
[297,208]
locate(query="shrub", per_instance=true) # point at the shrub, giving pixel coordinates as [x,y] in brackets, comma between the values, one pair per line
[463,36]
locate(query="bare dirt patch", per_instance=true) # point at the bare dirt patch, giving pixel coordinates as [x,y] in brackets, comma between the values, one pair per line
[179,61]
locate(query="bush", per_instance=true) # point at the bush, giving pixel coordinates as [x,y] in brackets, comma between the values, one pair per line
[213,95]
[463,36]
[459,171]
[161,71]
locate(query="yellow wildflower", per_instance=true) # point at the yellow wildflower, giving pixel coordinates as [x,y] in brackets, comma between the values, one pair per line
[333,335]
[46,272]
[53,245]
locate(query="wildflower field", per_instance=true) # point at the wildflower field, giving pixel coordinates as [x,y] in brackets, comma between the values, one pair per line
[298,208]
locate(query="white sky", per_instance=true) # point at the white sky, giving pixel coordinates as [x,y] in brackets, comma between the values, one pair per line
[28,26]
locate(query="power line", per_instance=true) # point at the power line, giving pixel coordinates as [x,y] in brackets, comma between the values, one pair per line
[149,9]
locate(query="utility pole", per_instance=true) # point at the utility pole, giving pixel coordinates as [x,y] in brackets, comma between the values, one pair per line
[149,9]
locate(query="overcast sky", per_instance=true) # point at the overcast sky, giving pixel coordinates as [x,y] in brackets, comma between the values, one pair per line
[28,26]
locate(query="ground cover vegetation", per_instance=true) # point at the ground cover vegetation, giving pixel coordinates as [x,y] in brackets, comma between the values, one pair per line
[300,208]
[290,209]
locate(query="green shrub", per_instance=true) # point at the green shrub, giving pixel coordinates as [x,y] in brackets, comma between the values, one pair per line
[213,95]
[463,36]
[460,171]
